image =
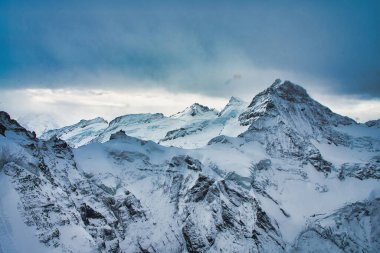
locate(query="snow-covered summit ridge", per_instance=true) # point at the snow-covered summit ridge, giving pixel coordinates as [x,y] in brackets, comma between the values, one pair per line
[130,119]
[194,110]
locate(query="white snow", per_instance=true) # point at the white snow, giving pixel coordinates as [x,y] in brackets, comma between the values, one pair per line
[15,235]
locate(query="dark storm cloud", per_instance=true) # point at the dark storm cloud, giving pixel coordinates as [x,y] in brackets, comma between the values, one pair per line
[185,46]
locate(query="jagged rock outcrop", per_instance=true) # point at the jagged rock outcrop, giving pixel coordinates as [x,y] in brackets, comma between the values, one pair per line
[216,211]
[371,169]
[352,228]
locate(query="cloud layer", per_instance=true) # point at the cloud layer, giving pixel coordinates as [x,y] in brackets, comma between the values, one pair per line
[183,46]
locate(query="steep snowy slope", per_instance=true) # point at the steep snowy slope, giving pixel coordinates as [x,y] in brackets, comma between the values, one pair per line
[78,134]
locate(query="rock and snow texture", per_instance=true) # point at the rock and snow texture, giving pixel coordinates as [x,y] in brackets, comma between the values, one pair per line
[282,174]
[353,228]
[373,123]
[126,195]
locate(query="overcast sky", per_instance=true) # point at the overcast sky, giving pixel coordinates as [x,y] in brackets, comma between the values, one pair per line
[67,60]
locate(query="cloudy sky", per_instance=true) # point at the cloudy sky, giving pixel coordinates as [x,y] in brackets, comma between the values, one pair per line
[61,61]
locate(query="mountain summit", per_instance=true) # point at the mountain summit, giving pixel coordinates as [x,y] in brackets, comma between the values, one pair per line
[194,110]
[292,105]
[285,119]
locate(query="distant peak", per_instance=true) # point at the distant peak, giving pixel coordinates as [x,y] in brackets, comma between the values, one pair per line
[95,120]
[136,118]
[234,100]
[194,110]
[203,107]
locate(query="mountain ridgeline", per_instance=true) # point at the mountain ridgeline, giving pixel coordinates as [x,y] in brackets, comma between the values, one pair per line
[282,173]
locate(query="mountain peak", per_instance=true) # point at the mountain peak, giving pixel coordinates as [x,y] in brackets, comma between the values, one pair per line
[202,107]
[291,92]
[286,90]
[235,100]
[289,102]
[194,110]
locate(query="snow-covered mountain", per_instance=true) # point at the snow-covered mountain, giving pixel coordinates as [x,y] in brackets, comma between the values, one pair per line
[281,174]
[80,133]
[193,127]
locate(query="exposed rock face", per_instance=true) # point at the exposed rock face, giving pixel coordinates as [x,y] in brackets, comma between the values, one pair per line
[187,162]
[373,123]
[219,210]
[219,139]
[362,171]
[2,130]
[350,229]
